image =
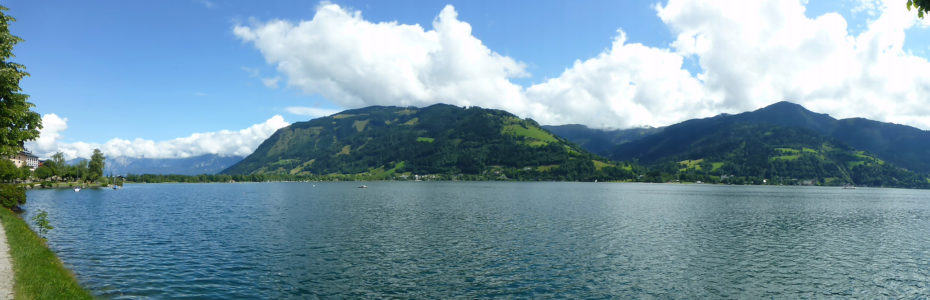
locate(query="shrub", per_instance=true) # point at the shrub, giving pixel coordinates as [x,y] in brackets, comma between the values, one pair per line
[12,196]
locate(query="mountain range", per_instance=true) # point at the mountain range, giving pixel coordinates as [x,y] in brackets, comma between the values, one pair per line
[783,143]
[385,142]
[781,140]
[203,164]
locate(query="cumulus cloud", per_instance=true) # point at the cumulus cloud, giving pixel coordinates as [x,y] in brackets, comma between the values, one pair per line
[758,52]
[357,63]
[224,142]
[627,85]
[751,54]
[52,126]
[312,112]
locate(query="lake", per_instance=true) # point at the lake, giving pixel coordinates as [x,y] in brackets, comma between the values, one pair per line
[491,239]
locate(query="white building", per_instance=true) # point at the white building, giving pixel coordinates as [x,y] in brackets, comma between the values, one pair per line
[25,158]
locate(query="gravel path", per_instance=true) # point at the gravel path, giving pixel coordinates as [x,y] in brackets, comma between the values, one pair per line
[6,268]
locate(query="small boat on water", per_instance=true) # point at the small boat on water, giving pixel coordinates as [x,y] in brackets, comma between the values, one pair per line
[363,186]
[77,189]
[849,187]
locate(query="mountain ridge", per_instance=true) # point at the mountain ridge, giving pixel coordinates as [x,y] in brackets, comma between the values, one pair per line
[902,145]
[387,141]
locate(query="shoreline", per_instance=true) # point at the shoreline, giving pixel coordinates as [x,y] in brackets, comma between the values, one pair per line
[36,271]
[526,181]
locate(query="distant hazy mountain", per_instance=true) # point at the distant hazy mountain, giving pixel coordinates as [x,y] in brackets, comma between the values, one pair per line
[599,141]
[204,164]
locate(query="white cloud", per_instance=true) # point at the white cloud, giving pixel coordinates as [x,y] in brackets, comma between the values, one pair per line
[870,7]
[52,126]
[758,52]
[224,142]
[357,63]
[627,85]
[751,53]
[312,112]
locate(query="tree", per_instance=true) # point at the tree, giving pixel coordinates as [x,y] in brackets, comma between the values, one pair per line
[17,122]
[12,196]
[44,172]
[8,170]
[95,167]
[57,163]
[922,6]
[79,170]
[23,173]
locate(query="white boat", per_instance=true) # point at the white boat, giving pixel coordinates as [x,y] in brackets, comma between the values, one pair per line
[363,186]
[77,189]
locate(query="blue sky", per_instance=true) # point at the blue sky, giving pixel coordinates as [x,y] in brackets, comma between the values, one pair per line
[194,77]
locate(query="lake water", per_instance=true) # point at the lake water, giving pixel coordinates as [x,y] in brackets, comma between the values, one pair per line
[487,239]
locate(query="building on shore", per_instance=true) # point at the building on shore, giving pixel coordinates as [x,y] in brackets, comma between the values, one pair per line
[25,158]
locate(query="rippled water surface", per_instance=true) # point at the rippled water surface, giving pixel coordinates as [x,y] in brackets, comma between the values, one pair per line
[474,240]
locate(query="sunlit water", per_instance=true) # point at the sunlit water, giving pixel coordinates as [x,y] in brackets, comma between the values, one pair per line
[475,240]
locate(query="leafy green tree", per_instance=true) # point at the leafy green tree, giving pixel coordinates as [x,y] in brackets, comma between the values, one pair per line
[23,173]
[922,6]
[79,170]
[12,196]
[57,164]
[17,121]
[44,172]
[8,170]
[95,167]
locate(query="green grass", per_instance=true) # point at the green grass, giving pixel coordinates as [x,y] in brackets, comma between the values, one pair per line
[546,168]
[537,136]
[38,274]
[598,165]
[381,174]
[785,157]
[425,139]
[360,125]
[715,166]
[345,150]
[691,164]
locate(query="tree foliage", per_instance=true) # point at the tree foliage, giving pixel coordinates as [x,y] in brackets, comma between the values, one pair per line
[18,123]
[44,172]
[8,170]
[922,7]
[95,166]
[12,196]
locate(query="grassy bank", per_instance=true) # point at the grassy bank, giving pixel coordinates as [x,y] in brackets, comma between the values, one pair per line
[38,273]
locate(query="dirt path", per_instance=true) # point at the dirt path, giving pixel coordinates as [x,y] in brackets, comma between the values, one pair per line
[6,268]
